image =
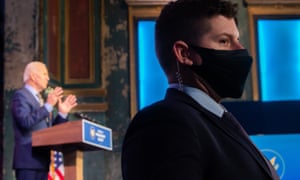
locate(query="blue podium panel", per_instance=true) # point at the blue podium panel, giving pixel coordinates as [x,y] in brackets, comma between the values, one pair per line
[96,135]
[283,153]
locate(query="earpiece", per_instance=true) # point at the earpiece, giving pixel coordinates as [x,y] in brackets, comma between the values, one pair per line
[178,77]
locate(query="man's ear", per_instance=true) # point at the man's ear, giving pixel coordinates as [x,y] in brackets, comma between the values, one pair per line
[32,76]
[181,52]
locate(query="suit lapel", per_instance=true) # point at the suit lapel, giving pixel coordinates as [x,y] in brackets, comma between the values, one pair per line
[242,139]
[31,98]
[235,131]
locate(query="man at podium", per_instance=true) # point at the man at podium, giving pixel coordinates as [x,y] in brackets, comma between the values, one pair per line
[31,113]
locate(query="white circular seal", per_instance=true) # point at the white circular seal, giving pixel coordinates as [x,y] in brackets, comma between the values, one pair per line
[276,160]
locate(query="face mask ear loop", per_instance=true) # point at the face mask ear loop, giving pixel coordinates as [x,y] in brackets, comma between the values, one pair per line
[179,78]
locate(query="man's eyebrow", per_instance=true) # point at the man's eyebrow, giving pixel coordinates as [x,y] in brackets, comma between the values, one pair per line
[228,35]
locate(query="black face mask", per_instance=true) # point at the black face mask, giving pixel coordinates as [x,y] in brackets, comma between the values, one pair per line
[224,70]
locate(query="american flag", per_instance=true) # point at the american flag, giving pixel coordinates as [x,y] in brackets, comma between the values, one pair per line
[56,167]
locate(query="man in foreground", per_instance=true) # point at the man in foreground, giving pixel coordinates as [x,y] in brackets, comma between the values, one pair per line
[189,135]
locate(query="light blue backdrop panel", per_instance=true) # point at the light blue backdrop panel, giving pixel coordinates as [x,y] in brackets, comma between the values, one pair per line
[283,152]
[279,59]
[152,82]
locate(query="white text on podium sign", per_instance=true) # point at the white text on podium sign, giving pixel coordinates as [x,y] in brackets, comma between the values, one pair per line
[97,135]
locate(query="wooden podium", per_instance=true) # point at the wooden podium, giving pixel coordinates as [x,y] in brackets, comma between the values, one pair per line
[72,138]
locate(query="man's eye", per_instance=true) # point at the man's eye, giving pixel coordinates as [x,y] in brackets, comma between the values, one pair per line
[224,41]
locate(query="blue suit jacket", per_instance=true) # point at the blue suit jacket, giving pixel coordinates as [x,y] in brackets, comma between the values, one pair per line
[28,117]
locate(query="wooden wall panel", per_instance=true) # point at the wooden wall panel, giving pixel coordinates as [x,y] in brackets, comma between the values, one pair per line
[53,39]
[78,40]
[79,49]
[264,8]
[136,13]
[271,2]
[71,48]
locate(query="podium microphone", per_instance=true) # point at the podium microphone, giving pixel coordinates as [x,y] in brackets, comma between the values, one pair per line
[84,116]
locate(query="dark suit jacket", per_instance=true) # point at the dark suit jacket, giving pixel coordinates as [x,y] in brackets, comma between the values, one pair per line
[28,117]
[176,139]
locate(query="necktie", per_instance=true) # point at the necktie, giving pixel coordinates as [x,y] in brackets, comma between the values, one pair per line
[41,100]
[229,117]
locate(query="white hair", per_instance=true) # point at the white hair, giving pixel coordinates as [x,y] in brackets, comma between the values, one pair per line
[31,67]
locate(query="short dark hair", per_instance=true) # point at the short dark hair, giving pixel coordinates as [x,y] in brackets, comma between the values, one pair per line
[186,20]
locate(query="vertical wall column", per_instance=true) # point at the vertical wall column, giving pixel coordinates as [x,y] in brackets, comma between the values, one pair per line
[1,80]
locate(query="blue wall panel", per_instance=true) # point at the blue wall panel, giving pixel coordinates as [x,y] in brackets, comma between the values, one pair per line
[279,59]
[152,82]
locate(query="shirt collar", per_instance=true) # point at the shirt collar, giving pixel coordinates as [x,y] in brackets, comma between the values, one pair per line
[32,91]
[202,98]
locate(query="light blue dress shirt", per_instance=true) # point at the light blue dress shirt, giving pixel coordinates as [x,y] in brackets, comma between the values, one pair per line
[202,98]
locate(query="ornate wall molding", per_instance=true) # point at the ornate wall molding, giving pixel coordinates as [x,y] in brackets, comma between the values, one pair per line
[72,50]
[265,8]
[271,2]
[137,10]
